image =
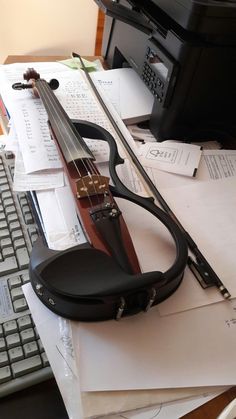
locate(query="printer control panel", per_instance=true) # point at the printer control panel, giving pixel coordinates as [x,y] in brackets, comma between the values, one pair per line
[159,73]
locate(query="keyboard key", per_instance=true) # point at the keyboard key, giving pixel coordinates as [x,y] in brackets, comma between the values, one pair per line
[6,195]
[5,188]
[27,335]
[22,257]
[3,345]
[3,224]
[23,201]
[21,196]
[5,374]
[14,282]
[30,349]
[16,354]
[25,278]
[45,359]
[20,305]
[3,359]
[12,217]
[8,265]
[19,243]
[5,243]
[28,219]
[4,233]
[24,322]
[13,340]
[10,327]
[3,181]
[26,209]
[36,333]
[10,210]
[8,251]
[14,225]
[26,365]
[17,293]
[17,234]
[40,345]
[32,230]
[8,202]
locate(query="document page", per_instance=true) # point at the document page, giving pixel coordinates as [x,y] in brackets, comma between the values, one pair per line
[190,349]
[170,156]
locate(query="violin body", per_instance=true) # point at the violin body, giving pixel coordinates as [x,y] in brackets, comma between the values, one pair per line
[101,279]
[87,282]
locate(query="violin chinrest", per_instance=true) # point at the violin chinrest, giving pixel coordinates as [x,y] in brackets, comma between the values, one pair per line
[85,283]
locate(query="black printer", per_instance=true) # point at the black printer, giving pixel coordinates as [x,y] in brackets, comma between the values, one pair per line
[185,53]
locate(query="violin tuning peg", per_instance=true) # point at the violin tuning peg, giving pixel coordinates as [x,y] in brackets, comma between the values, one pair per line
[21,86]
[54,84]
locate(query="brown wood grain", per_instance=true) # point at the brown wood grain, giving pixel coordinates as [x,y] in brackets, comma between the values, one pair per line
[100,27]
[213,408]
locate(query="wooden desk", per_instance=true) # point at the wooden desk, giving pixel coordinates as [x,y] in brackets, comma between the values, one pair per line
[209,410]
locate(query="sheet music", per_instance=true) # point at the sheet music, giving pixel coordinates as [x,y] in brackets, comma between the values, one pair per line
[30,119]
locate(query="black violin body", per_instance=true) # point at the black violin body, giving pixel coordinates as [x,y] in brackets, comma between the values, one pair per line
[88,284]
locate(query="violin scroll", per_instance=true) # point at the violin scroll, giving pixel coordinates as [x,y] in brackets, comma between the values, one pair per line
[31,74]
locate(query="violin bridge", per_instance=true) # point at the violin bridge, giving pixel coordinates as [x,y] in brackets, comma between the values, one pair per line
[92,185]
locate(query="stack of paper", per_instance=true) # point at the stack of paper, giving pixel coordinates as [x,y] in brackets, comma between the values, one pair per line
[184,347]
[127,93]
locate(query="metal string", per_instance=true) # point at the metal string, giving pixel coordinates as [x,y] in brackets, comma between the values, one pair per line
[59,111]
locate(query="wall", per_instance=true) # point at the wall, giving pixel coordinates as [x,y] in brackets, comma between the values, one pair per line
[47,27]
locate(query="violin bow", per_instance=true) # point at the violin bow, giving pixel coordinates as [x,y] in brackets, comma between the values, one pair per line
[200,267]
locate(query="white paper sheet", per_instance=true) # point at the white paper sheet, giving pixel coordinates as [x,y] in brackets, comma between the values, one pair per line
[61,225]
[55,333]
[208,212]
[214,165]
[170,156]
[220,164]
[49,179]
[171,410]
[127,93]
[99,149]
[194,348]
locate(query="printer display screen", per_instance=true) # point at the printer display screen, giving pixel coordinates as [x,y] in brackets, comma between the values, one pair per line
[157,65]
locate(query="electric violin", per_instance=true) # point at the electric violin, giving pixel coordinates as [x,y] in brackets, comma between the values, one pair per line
[100,279]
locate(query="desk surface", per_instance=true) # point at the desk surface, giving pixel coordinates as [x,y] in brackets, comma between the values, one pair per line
[44,400]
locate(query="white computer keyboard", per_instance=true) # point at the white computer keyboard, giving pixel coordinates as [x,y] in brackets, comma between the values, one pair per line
[23,361]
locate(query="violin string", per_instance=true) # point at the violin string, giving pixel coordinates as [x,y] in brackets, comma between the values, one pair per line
[51,98]
[89,167]
[86,163]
